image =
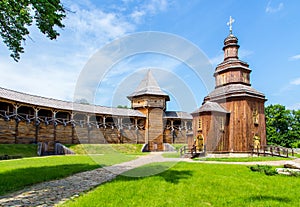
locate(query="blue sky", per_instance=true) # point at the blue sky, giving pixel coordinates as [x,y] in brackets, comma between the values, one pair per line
[268,33]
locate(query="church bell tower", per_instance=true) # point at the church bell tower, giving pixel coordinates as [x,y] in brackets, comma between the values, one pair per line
[242,106]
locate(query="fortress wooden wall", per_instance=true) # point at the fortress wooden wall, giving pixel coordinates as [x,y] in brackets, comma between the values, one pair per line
[27,133]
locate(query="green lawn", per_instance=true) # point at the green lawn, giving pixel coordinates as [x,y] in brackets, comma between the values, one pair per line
[297,155]
[107,148]
[171,154]
[23,150]
[242,159]
[18,173]
[195,184]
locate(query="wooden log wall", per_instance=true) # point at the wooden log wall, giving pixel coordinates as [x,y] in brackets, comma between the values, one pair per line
[27,132]
[180,136]
[7,131]
[214,131]
[64,134]
[155,129]
[242,123]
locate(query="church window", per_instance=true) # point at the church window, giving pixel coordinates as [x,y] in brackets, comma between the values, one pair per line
[223,79]
[222,123]
[255,116]
[245,77]
[200,124]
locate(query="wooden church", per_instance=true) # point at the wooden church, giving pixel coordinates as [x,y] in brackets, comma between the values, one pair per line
[232,117]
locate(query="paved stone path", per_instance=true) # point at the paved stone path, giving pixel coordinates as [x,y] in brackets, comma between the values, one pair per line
[57,191]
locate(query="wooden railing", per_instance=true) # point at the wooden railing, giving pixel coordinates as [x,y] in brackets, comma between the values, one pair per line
[191,151]
[273,151]
[183,150]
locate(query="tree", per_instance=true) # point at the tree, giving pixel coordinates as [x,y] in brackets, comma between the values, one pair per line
[17,15]
[82,101]
[295,128]
[282,126]
[123,107]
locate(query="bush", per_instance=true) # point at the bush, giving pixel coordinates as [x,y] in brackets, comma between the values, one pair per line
[268,170]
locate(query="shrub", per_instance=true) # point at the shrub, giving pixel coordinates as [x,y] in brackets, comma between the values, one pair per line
[268,170]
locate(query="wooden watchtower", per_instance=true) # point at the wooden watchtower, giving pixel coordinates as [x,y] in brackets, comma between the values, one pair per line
[149,99]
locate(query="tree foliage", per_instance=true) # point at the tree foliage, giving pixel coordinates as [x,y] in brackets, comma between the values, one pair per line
[123,107]
[17,15]
[282,126]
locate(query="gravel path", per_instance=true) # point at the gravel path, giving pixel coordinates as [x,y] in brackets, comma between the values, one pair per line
[57,191]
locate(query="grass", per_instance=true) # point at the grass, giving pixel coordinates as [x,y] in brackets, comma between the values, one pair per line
[171,155]
[242,159]
[194,184]
[174,154]
[297,155]
[16,174]
[178,146]
[133,149]
[23,150]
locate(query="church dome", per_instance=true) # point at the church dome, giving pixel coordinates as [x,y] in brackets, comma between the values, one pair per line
[230,40]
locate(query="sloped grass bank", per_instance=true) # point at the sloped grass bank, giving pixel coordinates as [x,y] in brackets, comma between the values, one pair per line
[133,149]
[22,150]
[194,184]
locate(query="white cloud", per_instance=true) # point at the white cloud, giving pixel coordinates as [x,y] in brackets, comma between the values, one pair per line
[51,68]
[94,27]
[271,9]
[295,82]
[295,57]
[137,16]
[155,6]
[217,59]
[148,8]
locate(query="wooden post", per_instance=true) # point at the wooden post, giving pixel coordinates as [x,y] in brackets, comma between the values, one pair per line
[88,128]
[17,123]
[54,125]
[104,124]
[36,110]
[120,128]
[73,128]
[136,129]
[172,131]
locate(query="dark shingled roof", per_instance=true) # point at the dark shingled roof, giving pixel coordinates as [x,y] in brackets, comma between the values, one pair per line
[177,115]
[65,105]
[211,107]
[148,86]
[234,90]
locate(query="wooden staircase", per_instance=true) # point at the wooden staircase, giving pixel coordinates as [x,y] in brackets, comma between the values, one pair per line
[52,148]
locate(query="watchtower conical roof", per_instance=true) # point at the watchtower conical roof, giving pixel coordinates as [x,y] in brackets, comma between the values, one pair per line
[148,86]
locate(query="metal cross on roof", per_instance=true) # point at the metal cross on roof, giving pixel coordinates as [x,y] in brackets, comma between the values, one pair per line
[231,20]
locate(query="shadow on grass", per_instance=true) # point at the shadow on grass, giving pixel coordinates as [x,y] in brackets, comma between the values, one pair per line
[268,198]
[162,171]
[17,179]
